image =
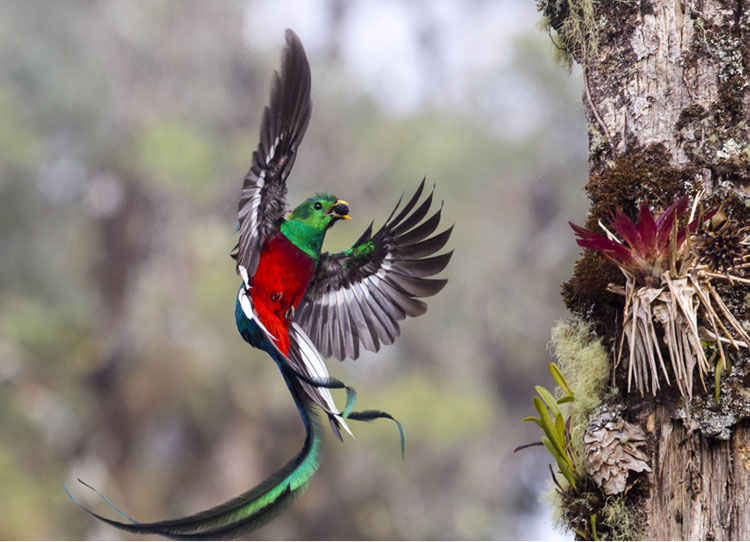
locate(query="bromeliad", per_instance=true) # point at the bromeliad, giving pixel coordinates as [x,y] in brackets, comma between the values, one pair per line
[296,302]
[668,272]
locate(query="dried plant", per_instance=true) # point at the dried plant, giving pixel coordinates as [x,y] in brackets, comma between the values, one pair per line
[668,280]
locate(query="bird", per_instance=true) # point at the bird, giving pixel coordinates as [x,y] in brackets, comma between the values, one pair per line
[300,304]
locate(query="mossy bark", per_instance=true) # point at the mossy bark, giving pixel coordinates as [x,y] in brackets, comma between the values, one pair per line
[667,100]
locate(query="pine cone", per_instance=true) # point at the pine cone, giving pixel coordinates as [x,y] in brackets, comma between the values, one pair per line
[613,448]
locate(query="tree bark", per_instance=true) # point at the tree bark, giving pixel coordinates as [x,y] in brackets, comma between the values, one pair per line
[700,487]
[671,73]
[667,100]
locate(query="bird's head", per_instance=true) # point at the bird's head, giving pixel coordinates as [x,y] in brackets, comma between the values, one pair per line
[321,211]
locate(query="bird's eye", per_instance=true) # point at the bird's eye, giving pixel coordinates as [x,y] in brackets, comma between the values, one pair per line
[318,206]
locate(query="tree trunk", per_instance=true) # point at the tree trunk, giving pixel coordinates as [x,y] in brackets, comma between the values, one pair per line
[700,487]
[667,100]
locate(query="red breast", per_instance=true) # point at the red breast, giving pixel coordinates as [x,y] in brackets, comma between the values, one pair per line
[283,275]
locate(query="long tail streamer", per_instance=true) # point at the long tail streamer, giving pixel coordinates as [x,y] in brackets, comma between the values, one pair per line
[261,504]
[250,510]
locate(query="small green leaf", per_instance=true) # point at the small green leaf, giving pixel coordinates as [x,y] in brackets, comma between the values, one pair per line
[546,420]
[560,426]
[551,448]
[569,476]
[533,419]
[540,407]
[551,432]
[553,423]
[549,399]
[560,379]
[562,465]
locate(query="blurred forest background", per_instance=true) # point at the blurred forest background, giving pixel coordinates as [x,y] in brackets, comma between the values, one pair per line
[127,128]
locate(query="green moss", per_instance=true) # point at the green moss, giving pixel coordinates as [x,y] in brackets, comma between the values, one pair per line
[572,27]
[617,517]
[584,363]
[551,497]
[714,139]
[641,172]
[621,519]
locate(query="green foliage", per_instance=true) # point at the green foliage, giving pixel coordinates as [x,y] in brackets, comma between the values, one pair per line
[581,356]
[176,155]
[556,434]
[585,534]
[19,146]
[582,377]
[119,359]
[718,364]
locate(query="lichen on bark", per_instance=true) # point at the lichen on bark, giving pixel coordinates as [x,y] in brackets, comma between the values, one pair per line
[667,100]
[590,509]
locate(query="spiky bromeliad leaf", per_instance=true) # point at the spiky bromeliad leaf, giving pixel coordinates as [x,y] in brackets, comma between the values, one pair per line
[667,281]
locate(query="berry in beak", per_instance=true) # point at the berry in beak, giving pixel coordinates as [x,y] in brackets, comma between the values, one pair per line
[341,210]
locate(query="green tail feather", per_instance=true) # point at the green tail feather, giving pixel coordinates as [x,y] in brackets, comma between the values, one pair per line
[261,504]
[250,510]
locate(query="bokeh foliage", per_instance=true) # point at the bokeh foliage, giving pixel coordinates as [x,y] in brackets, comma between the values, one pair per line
[127,128]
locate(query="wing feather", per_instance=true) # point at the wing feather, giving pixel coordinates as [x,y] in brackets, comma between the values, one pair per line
[408,207]
[426,247]
[284,122]
[348,332]
[414,218]
[426,267]
[370,325]
[420,232]
[358,296]
[383,310]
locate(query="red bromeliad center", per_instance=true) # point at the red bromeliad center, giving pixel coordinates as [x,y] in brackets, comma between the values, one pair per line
[644,255]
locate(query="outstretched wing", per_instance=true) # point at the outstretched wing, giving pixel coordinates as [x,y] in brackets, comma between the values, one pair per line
[359,295]
[263,199]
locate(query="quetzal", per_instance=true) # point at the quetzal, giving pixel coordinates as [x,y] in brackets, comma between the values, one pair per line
[296,302]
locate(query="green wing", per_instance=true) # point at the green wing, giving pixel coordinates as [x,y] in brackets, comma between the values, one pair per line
[360,295]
